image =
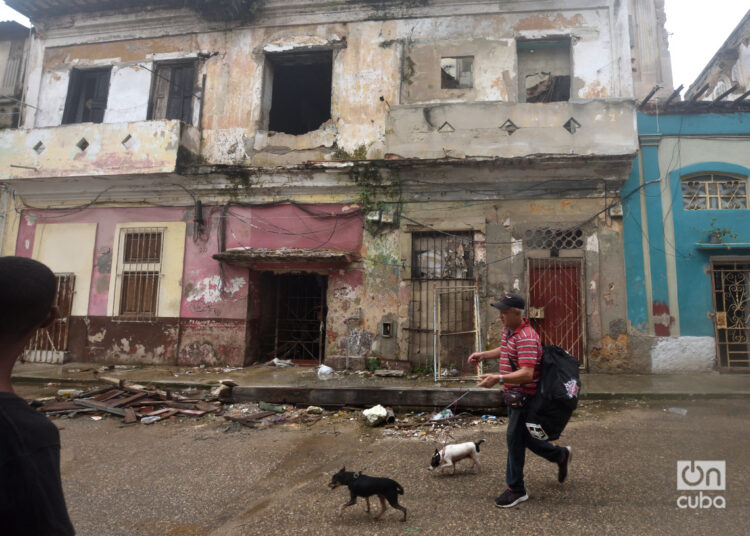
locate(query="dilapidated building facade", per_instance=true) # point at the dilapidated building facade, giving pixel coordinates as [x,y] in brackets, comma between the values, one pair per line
[229,182]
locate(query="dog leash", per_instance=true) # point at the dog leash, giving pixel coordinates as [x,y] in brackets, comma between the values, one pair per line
[357,474]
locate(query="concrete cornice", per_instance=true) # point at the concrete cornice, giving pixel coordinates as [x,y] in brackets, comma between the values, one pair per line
[128,24]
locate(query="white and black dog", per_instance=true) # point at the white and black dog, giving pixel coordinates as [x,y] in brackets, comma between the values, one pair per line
[449,455]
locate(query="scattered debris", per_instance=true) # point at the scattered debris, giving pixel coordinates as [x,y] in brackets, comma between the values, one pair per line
[390,373]
[375,416]
[314,410]
[276,362]
[271,407]
[445,414]
[325,372]
[131,402]
[678,411]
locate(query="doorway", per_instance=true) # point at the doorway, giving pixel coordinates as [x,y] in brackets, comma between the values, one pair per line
[555,304]
[292,317]
[731,289]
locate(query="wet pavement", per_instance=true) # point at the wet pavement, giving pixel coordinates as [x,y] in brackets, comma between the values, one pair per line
[206,477]
[595,386]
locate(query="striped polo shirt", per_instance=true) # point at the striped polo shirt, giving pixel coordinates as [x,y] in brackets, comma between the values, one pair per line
[524,347]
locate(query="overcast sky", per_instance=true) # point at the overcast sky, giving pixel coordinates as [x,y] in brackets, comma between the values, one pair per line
[697,29]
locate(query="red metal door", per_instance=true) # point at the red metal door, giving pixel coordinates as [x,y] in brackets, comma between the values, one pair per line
[555,305]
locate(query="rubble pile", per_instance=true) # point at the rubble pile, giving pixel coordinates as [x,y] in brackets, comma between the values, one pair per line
[133,402]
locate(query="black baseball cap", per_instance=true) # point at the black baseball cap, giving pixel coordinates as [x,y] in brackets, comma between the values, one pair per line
[510,300]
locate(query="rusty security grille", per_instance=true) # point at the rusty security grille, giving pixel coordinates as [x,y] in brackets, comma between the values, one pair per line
[714,192]
[457,331]
[137,287]
[731,290]
[549,239]
[50,344]
[555,304]
[439,260]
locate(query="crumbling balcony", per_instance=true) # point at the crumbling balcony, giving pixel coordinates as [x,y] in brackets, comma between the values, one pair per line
[509,130]
[97,149]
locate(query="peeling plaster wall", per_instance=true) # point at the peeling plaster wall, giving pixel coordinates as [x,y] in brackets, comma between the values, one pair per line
[683,355]
[377,64]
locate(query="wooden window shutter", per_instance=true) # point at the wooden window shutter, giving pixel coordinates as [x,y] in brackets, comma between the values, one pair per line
[161,92]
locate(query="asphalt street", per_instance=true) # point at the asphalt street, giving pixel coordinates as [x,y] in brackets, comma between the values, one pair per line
[203,477]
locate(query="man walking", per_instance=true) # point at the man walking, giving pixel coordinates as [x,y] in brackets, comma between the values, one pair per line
[520,359]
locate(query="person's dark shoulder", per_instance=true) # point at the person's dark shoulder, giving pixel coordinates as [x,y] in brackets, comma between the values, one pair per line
[23,427]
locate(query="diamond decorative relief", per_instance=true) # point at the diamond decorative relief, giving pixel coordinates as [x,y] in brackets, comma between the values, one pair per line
[39,148]
[128,141]
[509,126]
[82,144]
[572,125]
[446,127]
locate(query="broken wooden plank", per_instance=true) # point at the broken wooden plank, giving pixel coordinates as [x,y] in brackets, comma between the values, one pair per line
[205,406]
[96,391]
[117,382]
[130,416]
[100,406]
[108,395]
[127,400]
[59,407]
[191,412]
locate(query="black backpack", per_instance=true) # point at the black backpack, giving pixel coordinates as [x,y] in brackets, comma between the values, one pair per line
[557,395]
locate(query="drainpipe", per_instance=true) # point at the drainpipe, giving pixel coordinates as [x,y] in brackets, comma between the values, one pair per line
[4,197]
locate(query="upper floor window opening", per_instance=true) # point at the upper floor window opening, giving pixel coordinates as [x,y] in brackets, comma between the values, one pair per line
[714,192]
[544,70]
[299,85]
[88,91]
[173,90]
[457,72]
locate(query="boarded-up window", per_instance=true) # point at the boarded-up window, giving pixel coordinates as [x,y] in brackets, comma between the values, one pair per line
[141,255]
[88,91]
[173,91]
[457,73]
[544,70]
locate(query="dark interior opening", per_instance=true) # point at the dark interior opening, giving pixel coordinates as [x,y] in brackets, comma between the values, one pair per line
[301,93]
[292,316]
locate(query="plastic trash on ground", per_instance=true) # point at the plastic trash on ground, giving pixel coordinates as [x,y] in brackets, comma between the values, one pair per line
[314,410]
[281,362]
[678,411]
[375,416]
[441,415]
[325,372]
[151,419]
[70,393]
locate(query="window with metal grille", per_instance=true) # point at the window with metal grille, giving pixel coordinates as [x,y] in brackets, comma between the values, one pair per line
[550,239]
[173,88]
[437,255]
[714,192]
[140,262]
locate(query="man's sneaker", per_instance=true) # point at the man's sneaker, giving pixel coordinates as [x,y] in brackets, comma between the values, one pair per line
[510,498]
[562,471]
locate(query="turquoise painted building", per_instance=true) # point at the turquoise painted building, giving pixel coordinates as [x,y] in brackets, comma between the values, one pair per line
[686,224]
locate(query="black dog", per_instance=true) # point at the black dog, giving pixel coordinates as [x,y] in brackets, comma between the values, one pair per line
[366,486]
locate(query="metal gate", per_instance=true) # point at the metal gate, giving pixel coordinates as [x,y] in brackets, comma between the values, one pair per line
[457,330]
[440,261]
[555,304]
[50,344]
[731,290]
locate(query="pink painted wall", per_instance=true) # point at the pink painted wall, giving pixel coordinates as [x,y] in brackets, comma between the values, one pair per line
[271,227]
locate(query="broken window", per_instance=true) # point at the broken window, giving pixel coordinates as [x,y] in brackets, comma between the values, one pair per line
[714,192]
[173,88]
[457,73]
[437,255]
[300,89]
[87,96]
[140,271]
[544,70]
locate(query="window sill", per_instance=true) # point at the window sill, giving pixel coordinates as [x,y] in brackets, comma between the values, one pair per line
[722,246]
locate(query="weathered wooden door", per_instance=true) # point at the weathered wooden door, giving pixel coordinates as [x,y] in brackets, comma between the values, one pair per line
[731,289]
[555,303]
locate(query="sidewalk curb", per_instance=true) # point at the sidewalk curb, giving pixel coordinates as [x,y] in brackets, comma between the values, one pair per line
[600,395]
